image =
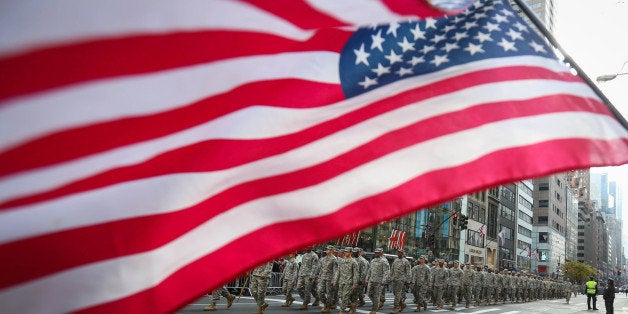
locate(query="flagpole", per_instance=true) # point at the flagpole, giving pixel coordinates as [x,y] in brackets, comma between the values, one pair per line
[541,27]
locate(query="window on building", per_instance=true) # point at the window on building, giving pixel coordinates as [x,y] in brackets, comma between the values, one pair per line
[507,213]
[492,220]
[543,203]
[525,231]
[581,234]
[542,220]
[525,203]
[508,195]
[543,237]
[473,238]
[543,186]
[508,234]
[543,255]
[525,189]
[525,217]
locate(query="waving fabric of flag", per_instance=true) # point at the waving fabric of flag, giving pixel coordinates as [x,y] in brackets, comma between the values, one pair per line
[151,151]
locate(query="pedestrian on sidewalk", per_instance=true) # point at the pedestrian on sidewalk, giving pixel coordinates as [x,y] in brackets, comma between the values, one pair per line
[609,296]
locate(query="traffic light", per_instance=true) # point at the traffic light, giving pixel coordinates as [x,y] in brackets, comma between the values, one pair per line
[454,219]
[462,222]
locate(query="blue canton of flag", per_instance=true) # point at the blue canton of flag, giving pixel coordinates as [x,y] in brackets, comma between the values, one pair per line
[381,55]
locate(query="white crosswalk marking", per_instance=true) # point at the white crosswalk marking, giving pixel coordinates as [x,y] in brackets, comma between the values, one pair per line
[485,310]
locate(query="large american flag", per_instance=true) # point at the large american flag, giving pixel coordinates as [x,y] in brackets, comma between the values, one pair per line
[152,150]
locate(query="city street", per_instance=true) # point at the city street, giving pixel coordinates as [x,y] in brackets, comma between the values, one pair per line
[576,305]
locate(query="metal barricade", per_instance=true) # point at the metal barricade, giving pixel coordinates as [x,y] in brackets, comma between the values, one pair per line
[274,285]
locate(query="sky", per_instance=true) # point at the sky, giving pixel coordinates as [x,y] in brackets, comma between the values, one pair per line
[595,34]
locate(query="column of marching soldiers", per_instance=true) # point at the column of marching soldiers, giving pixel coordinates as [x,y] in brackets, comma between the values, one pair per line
[341,278]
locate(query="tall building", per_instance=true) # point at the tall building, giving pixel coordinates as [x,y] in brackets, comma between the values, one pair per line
[476,239]
[525,200]
[550,212]
[571,225]
[507,226]
[545,10]
[579,182]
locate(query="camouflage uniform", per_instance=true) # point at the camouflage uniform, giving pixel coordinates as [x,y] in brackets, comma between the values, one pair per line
[468,282]
[400,275]
[420,282]
[440,277]
[290,271]
[499,290]
[478,280]
[348,277]
[327,273]
[512,280]
[215,296]
[304,285]
[488,285]
[315,272]
[377,272]
[364,269]
[259,284]
[455,281]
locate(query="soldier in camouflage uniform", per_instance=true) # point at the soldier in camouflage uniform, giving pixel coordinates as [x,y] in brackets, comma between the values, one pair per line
[339,254]
[499,290]
[488,285]
[377,272]
[567,291]
[478,278]
[364,269]
[468,283]
[290,272]
[512,280]
[420,282]
[259,284]
[519,287]
[400,276]
[328,270]
[440,277]
[455,281]
[347,280]
[215,296]
[316,271]
[306,276]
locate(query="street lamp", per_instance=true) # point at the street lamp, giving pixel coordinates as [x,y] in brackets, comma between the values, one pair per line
[608,77]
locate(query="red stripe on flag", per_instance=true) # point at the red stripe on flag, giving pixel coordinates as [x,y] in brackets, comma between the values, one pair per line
[64,65]
[175,224]
[18,158]
[298,13]
[218,266]
[112,134]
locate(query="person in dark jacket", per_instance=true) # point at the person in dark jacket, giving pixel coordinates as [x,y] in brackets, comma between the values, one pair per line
[609,296]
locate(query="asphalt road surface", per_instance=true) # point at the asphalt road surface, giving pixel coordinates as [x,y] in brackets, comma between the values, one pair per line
[577,305]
